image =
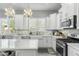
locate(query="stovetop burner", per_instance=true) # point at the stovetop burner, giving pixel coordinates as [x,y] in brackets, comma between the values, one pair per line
[68,40]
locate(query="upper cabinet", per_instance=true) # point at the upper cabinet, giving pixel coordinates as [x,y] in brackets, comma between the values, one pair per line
[59,17]
[18,21]
[77,16]
[51,22]
[33,24]
[0,24]
[66,11]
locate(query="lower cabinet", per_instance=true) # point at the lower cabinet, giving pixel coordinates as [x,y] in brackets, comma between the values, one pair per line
[21,52]
[45,42]
[27,52]
[72,51]
[54,43]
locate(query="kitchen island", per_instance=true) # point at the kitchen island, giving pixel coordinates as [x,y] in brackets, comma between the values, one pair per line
[21,47]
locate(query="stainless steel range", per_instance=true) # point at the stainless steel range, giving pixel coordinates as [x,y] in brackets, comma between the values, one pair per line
[62,47]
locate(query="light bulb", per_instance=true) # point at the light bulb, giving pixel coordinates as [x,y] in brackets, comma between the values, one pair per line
[6,9]
[24,10]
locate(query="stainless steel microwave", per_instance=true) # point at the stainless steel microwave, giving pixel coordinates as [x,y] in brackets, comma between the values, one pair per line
[69,22]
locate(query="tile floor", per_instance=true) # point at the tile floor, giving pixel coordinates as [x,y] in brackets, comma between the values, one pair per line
[45,54]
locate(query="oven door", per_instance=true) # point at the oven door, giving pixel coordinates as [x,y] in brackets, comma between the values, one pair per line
[61,50]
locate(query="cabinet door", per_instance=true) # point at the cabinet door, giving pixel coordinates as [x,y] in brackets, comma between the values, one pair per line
[22,44]
[58,21]
[18,21]
[47,41]
[68,9]
[40,43]
[52,21]
[47,22]
[0,24]
[72,51]
[11,43]
[0,43]
[77,16]
[40,24]
[54,43]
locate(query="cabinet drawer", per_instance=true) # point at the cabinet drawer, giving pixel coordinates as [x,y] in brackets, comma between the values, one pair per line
[40,43]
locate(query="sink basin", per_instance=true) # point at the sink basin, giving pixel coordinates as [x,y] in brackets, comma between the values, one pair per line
[7,37]
[25,37]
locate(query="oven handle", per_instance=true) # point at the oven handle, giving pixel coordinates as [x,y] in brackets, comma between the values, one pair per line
[60,45]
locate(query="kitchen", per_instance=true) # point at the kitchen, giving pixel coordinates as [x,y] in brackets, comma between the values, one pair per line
[39,29]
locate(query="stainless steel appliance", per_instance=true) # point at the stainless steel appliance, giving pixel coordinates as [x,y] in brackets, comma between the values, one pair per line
[69,22]
[62,47]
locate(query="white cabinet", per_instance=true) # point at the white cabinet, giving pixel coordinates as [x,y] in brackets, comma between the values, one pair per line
[77,16]
[72,51]
[11,43]
[3,43]
[54,43]
[59,21]
[45,42]
[2,21]
[0,24]
[7,43]
[33,24]
[40,43]
[22,44]
[40,24]
[18,21]
[52,21]
[27,44]
[68,9]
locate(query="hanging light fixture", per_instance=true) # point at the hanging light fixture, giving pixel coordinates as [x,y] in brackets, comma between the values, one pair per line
[28,12]
[9,12]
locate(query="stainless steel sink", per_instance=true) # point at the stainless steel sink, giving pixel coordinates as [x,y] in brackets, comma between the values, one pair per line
[25,37]
[7,37]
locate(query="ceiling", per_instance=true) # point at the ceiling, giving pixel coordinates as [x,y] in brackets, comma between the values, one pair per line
[33,6]
[39,9]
